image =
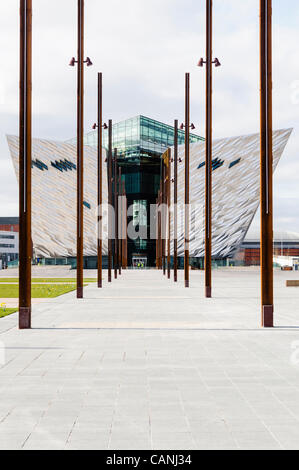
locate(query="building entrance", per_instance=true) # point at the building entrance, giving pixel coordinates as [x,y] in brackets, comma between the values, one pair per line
[139,262]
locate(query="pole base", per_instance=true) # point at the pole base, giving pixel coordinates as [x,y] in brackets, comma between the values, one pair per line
[115,274]
[175,279]
[100,284]
[24,318]
[186,283]
[208,292]
[267,318]
[79,292]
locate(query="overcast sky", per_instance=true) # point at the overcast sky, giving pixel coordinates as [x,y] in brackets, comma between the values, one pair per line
[143,48]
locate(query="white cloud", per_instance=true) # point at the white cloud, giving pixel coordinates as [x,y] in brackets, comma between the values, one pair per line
[144,48]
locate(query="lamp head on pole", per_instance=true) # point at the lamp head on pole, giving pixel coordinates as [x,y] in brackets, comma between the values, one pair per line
[72,62]
[217,62]
[201,62]
[88,62]
[182,127]
[192,126]
[94,126]
[105,126]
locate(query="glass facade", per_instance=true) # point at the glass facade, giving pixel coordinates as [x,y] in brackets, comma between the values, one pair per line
[140,138]
[140,142]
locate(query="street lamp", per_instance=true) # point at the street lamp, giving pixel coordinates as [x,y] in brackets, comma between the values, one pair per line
[187,127]
[208,194]
[80,154]
[100,126]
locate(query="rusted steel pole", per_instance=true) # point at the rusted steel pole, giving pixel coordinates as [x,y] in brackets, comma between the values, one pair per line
[157,235]
[119,219]
[25,250]
[100,178]
[175,201]
[115,177]
[80,158]
[168,210]
[187,146]
[160,228]
[110,201]
[208,189]
[266,193]
[126,231]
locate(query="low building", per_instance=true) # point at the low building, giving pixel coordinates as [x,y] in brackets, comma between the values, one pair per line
[285,245]
[9,240]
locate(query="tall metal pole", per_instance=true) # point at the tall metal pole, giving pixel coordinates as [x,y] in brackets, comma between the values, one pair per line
[157,234]
[119,219]
[187,145]
[110,200]
[175,201]
[160,250]
[80,163]
[100,178]
[266,163]
[124,225]
[115,177]
[208,195]
[163,217]
[25,253]
[126,229]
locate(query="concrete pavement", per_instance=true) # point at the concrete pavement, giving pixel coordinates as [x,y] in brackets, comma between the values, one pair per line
[146,364]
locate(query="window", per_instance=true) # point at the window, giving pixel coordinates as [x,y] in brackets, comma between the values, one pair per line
[38,164]
[216,163]
[7,237]
[4,245]
[64,165]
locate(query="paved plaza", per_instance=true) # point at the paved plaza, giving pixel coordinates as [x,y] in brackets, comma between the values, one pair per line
[147,364]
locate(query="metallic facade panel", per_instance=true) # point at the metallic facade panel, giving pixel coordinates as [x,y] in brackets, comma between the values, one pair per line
[54,197]
[236,191]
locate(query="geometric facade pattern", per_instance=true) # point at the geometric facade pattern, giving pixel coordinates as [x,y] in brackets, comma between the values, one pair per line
[54,202]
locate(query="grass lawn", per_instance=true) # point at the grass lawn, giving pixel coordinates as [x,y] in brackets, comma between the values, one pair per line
[38,291]
[47,279]
[8,311]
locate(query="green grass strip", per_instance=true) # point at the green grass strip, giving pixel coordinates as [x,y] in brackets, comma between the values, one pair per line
[47,279]
[38,291]
[7,311]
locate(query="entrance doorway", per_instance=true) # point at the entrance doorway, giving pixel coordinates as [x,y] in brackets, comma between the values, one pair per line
[139,262]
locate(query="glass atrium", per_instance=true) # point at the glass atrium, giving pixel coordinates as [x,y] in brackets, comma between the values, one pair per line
[140,138]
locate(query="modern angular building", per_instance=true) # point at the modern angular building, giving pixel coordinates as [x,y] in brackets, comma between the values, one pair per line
[140,143]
